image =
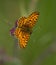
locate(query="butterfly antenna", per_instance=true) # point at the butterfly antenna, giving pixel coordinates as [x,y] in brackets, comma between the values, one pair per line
[7,22]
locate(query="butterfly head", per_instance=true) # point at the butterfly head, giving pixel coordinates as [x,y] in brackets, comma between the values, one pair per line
[12,31]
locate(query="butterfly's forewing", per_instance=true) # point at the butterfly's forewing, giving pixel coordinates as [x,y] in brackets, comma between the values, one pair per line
[32,19]
[22,37]
[21,21]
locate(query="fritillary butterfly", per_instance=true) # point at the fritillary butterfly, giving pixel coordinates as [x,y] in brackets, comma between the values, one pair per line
[24,28]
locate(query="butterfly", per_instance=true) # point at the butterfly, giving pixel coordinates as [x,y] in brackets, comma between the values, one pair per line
[24,27]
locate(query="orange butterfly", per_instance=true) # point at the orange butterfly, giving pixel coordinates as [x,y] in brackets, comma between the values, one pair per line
[24,28]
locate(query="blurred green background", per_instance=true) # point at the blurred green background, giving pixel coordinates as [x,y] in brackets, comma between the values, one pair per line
[41,48]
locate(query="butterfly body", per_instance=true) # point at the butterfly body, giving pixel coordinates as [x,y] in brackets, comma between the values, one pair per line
[24,28]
